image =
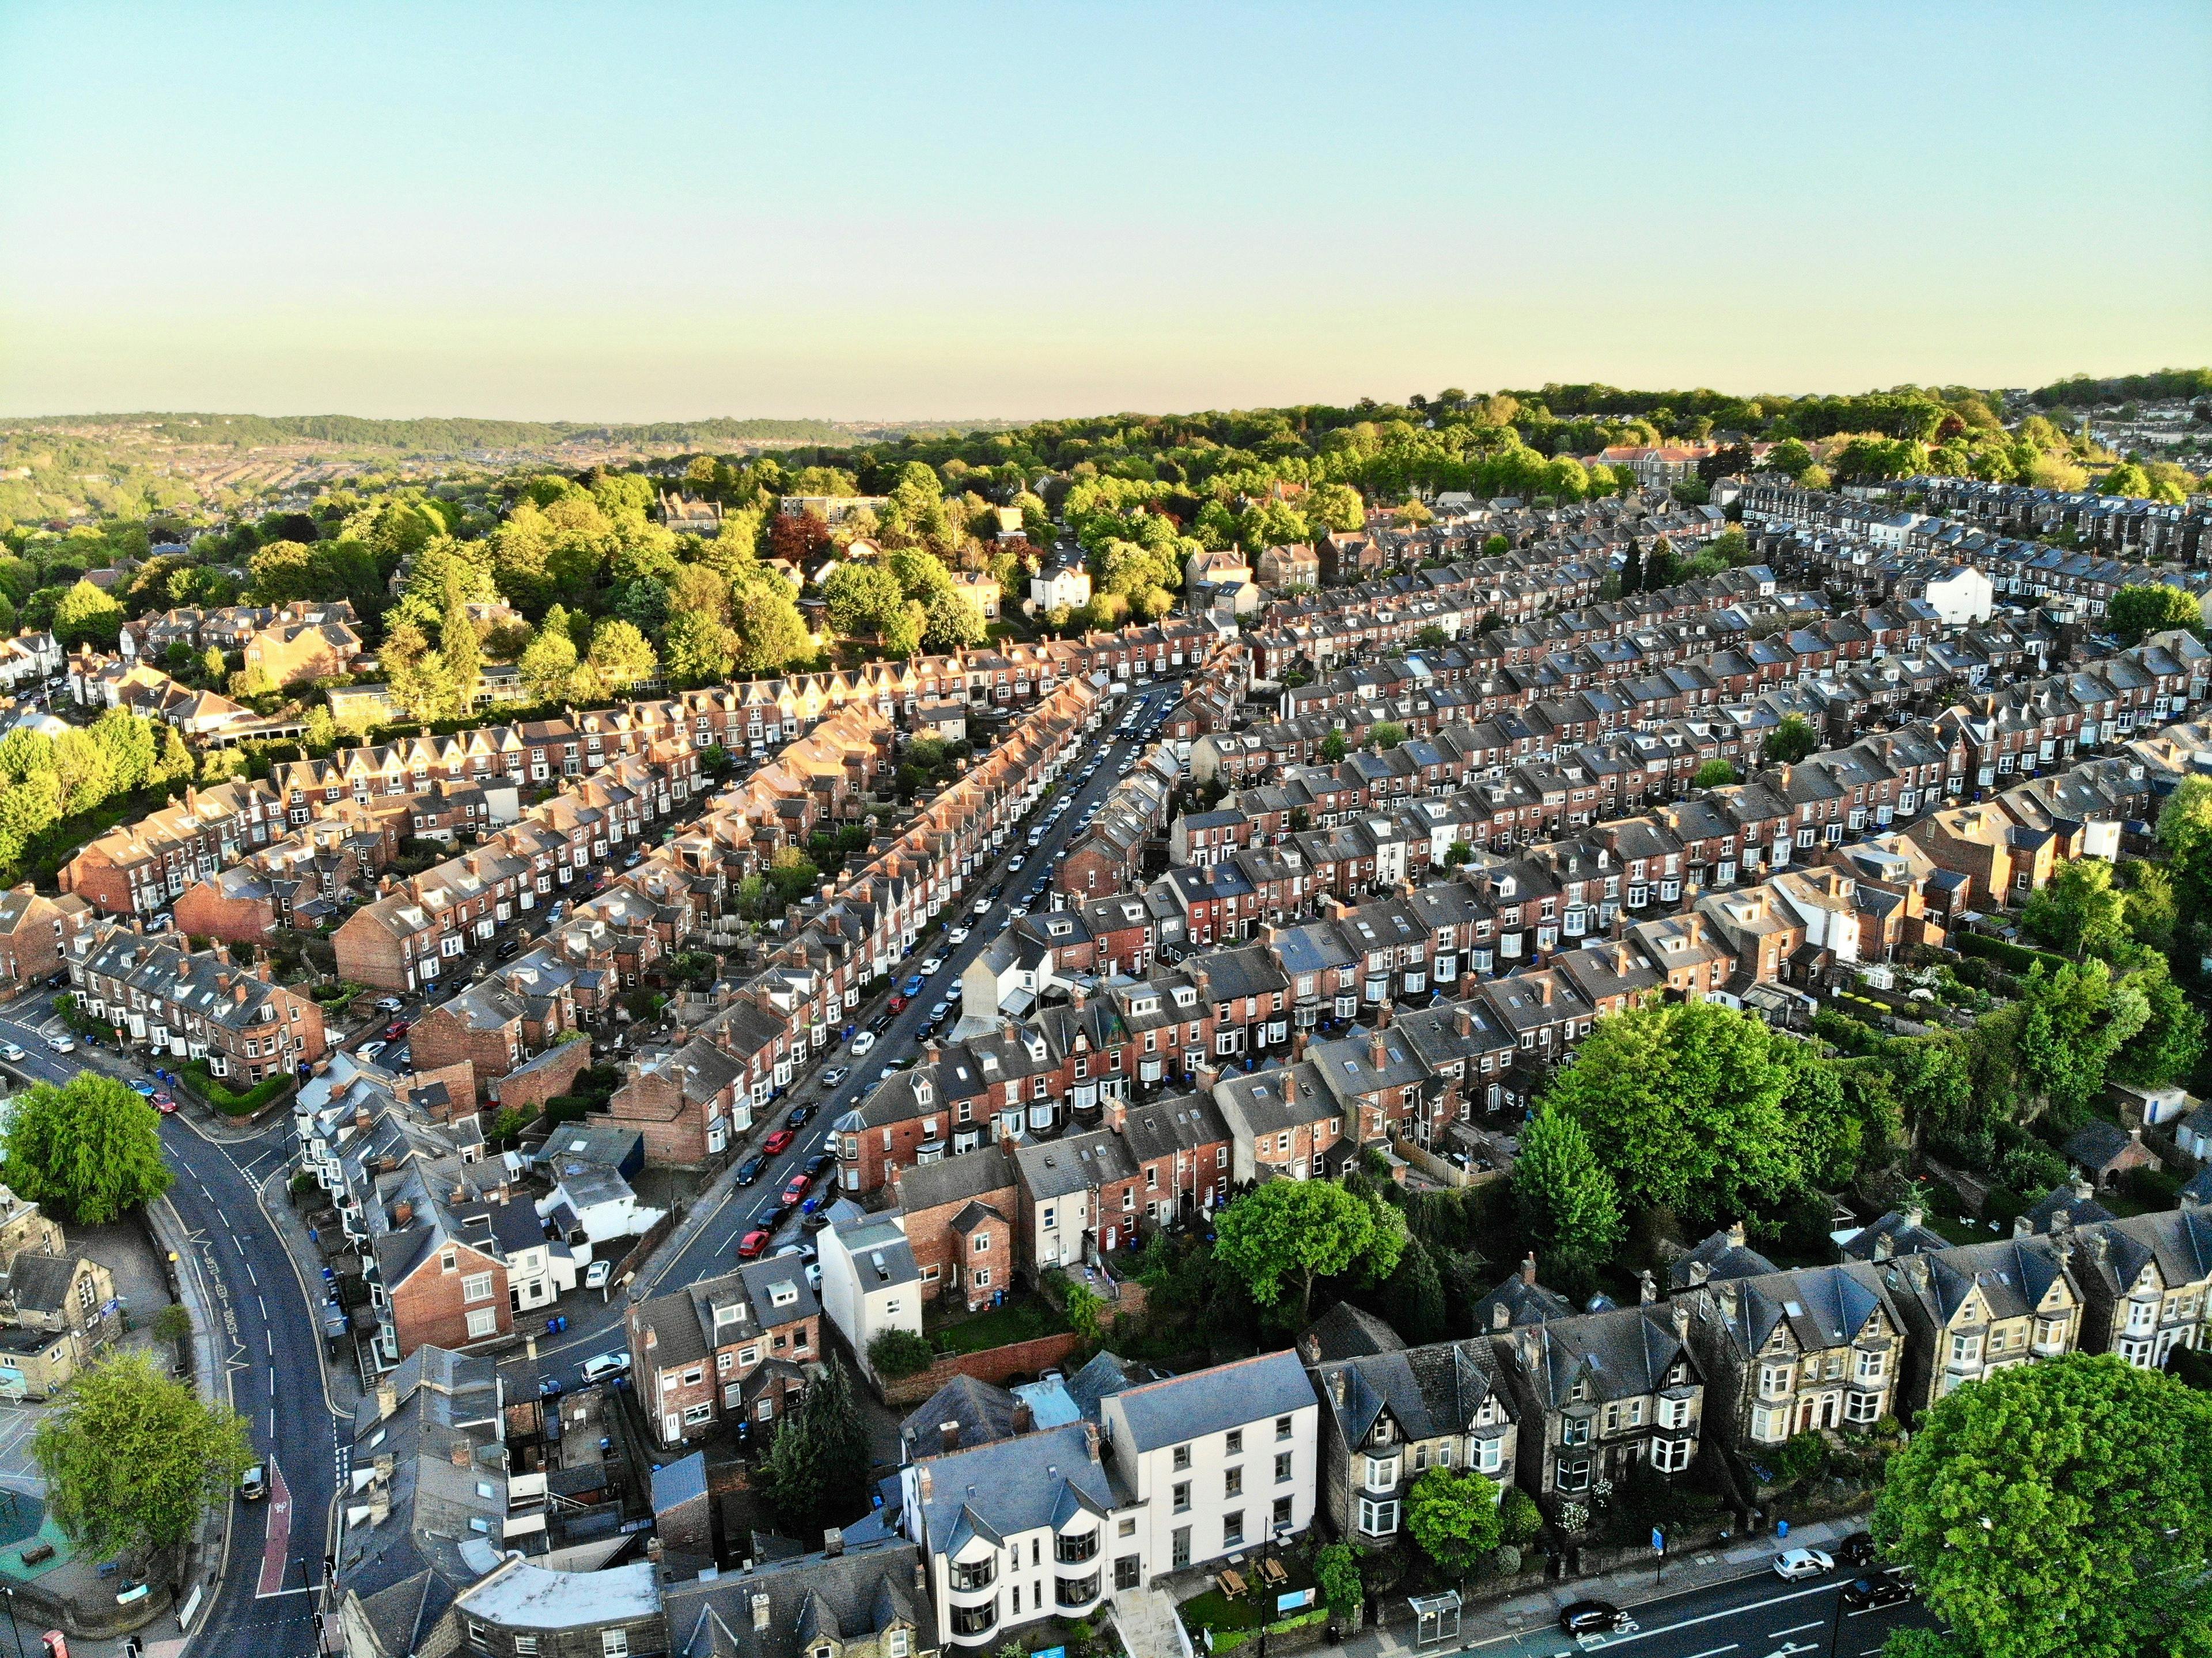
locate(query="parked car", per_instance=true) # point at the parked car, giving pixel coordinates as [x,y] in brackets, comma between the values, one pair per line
[932,966]
[509,947]
[389,1004]
[1796,1563]
[165,1102]
[899,1000]
[958,935]
[776,1143]
[1592,1618]
[795,1189]
[600,1366]
[369,1051]
[751,1169]
[395,1030]
[597,1273]
[819,1165]
[1884,1589]
[863,1042]
[63,1045]
[1014,863]
[12,1053]
[253,1483]
[912,987]
[834,1075]
[981,905]
[938,1010]
[1856,1550]
[753,1245]
[797,1116]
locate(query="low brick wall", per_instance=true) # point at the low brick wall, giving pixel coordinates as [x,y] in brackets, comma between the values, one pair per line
[992,1364]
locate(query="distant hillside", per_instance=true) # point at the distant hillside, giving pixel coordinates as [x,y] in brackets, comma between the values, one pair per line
[437,434]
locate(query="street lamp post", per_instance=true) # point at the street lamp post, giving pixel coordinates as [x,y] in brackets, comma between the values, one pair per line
[14,1623]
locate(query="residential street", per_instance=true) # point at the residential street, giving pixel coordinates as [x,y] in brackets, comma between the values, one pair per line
[706,1244]
[273,1374]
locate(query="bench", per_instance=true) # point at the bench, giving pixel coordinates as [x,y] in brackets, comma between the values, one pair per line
[38,1552]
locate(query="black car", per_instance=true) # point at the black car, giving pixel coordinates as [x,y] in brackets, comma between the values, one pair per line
[797,1116]
[751,1169]
[1856,1550]
[510,947]
[817,1163]
[1591,1618]
[1864,1594]
[769,1215]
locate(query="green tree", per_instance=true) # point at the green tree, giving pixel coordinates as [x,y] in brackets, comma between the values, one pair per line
[1632,570]
[620,656]
[816,1473]
[1569,1202]
[2152,915]
[548,664]
[1790,741]
[861,599]
[1295,1232]
[2078,911]
[462,655]
[88,1150]
[1789,457]
[1714,774]
[1411,1301]
[2185,836]
[1684,1105]
[132,1458]
[86,615]
[1452,1513]
[1336,1573]
[1386,734]
[2139,611]
[2072,1020]
[1520,1521]
[2172,1040]
[701,650]
[2063,1507]
[1333,748]
[953,623]
[771,633]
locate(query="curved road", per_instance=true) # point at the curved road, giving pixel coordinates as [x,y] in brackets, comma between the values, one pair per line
[270,1350]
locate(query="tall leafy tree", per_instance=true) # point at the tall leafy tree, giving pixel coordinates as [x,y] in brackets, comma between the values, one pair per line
[2079,911]
[816,1473]
[2137,611]
[1684,1105]
[1452,1513]
[86,615]
[2063,1507]
[1790,740]
[89,1150]
[1289,1233]
[2072,1020]
[132,1458]
[1569,1202]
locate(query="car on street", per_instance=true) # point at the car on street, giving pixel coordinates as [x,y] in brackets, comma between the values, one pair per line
[938,1010]
[958,935]
[751,1169]
[165,1102]
[1591,1618]
[369,1051]
[912,987]
[818,1164]
[1793,1565]
[1015,862]
[775,1144]
[932,966]
[395,1030]
[863,1042]
[12,1053]
[753,1245]
[1856,1550]
[597,1273]
[981,905]
[63,1045]
[600,1366]
[1884,1589]
[795,1189]
[834,1075]
[797,1116]
[509,947]
[253,1483]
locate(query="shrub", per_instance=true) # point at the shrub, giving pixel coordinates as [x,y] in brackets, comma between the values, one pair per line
[1505,1560]
[210,1088]
[1520,1521]
[2033,1166]
[897,1353]
[2153,1187]
[173,1323]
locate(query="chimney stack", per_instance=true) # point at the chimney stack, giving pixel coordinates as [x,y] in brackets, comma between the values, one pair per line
[1528,1268]
[761,1606]
[460,1454]
[1500,1315]
[1025,1418]
[1736,1234]
[1647,1288]
[1885,1246]
[948,1436]
[387,1400]
[1376,1056]
[2024,1228]
[833,1542]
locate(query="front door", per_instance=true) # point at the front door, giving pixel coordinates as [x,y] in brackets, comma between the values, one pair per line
[1129,1572]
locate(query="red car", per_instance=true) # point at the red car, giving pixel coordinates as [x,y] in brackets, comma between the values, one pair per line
[166,1103]
[777,1143]
[796,1189]
[754,1246]
[395,1030]
[898,1004]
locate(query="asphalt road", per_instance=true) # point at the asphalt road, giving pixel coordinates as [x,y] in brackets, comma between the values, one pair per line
[273,1374]
[729,1211]
[1757,1616]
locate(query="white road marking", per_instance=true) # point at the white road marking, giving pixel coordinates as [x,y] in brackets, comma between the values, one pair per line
[1715,1652]
[1729,1612]
[1797,1629]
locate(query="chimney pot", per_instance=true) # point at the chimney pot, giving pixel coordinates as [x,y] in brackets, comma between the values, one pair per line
[1499,1317]
[1528,1267]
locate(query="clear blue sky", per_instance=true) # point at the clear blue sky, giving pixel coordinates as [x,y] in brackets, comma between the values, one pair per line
[629,211]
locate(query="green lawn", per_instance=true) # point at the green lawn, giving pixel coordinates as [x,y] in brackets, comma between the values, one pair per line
[1024,1319]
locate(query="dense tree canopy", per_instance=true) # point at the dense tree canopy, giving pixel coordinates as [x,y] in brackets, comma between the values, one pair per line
[89,1150]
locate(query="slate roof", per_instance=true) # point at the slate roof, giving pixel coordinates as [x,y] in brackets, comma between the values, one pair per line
[1214,1399]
